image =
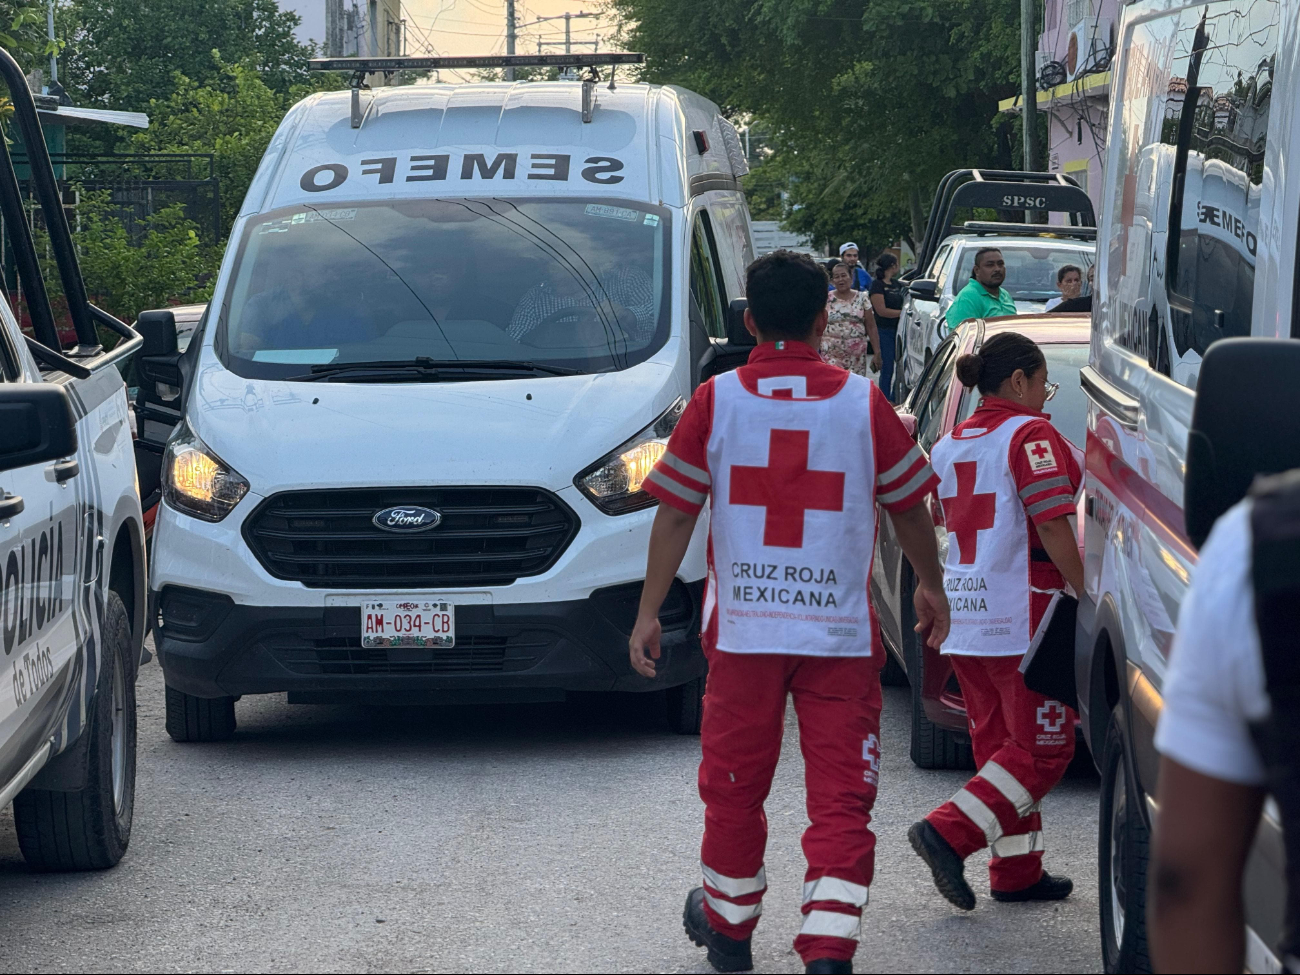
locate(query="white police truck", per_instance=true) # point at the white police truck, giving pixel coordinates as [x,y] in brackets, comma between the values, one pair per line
[72,567]
[453,331]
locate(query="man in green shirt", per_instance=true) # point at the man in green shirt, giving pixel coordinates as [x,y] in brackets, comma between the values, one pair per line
[983,296]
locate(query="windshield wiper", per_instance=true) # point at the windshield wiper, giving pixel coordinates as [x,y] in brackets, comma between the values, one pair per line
[424,368]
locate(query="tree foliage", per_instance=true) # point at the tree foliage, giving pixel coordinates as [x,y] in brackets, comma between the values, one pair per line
[22,30]
[867,101]
[125,53]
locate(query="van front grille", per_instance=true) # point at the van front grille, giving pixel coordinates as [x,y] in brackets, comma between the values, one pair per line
[488,536]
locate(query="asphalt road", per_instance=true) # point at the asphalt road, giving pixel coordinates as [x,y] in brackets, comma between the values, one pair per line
[497,839]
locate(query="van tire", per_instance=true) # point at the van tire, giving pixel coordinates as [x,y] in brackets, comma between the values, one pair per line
[191,718]
[684,707]
[90,828]
[1123,944]
[932,747]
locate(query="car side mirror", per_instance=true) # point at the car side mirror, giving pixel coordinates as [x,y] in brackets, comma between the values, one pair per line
[737,335]
[36,425]
[1240,381]
[909,424]
[924,289]
[158,329]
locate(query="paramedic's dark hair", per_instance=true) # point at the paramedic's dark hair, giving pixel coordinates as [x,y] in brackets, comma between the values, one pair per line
[786,292]
[980,253]
[998,360]
[1060,275]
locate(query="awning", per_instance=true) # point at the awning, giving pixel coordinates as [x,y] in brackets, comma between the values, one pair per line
[72,115]
[1090,86]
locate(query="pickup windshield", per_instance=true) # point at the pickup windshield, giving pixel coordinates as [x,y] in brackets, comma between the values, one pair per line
[1031,269]
[579,285]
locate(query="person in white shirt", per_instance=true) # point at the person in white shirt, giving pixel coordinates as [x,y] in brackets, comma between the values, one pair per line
[1211,779]
[1069,281]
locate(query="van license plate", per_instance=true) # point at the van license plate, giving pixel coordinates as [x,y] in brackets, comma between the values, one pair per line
[408,623]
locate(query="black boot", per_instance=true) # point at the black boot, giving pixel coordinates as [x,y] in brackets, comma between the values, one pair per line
[944,864]
[725,954]
[1048,888]
[829,966]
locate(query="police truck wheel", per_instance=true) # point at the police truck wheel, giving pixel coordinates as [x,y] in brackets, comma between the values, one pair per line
[685,706]
[191,718]
[933,747]
[1122,855]
[89,828]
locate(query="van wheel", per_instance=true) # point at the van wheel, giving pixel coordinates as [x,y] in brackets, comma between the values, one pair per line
[1122,853]
[685,706]
[191,718]
[89,829]
[932,747]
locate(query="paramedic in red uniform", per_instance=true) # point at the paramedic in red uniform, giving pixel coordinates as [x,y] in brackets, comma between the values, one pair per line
[793,456]
[1007,485]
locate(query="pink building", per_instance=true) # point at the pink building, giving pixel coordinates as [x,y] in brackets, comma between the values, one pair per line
[1074,56]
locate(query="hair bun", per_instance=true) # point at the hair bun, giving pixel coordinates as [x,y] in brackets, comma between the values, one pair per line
[970,367]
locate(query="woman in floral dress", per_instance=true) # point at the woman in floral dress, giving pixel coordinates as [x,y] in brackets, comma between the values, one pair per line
[850,323]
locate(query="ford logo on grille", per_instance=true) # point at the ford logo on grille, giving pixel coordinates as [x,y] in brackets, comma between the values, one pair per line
[407,518]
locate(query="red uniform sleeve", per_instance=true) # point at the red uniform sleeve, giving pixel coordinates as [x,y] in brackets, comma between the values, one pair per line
[681,478]
[903,472]
[1045,470]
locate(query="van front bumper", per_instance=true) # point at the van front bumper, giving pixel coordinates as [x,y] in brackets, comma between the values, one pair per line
[211,647]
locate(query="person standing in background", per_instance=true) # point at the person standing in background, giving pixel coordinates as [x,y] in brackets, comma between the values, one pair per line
[849,255]
[983,296]
[887,305]
[850,324]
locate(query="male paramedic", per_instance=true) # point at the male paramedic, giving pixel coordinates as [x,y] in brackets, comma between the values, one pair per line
[793,454]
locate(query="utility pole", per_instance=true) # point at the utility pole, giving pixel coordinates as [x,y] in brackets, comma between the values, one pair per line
[510,36]
[54,62]
[568,38]
[1028,81]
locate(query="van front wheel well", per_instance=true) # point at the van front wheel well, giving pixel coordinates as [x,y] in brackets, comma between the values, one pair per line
[122,573]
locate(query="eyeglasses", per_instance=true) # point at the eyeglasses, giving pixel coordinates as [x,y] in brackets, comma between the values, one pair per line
[1051,389]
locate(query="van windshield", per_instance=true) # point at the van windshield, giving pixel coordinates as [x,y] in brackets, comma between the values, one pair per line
[568,285]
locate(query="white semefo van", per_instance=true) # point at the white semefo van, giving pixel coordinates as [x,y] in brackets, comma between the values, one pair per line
[446,345]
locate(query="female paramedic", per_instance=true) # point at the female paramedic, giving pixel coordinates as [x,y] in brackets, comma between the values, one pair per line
[1007,485]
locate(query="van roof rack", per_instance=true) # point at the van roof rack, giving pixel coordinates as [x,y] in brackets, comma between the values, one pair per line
[360,67]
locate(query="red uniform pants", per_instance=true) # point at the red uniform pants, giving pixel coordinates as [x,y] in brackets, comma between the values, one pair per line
[1023,743]
[837,701]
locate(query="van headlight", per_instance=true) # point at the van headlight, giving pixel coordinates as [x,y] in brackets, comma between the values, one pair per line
[196,481]
[613,483]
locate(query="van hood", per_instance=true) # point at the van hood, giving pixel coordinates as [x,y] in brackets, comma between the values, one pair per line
[537,432]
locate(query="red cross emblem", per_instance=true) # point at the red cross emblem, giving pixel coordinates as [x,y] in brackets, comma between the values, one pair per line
[966,513]
[1040,450]
[1052,715]
[786,488]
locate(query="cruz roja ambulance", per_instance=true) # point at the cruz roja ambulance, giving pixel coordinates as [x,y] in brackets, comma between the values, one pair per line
[453,330]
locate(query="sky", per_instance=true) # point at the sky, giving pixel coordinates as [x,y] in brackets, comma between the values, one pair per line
[478,26]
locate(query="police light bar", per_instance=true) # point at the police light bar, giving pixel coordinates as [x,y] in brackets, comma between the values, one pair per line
[376,65]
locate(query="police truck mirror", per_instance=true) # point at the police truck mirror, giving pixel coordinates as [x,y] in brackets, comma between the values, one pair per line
[737,334]
[1246,422]
[924,289]
[36,425]
[158,329]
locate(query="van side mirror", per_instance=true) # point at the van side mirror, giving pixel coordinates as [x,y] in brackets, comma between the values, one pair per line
[924,289]
[737,335]
[1246,422]
[36,425]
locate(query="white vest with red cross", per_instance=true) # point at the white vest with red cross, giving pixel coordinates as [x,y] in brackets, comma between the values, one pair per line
[793,518]
[986,572]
